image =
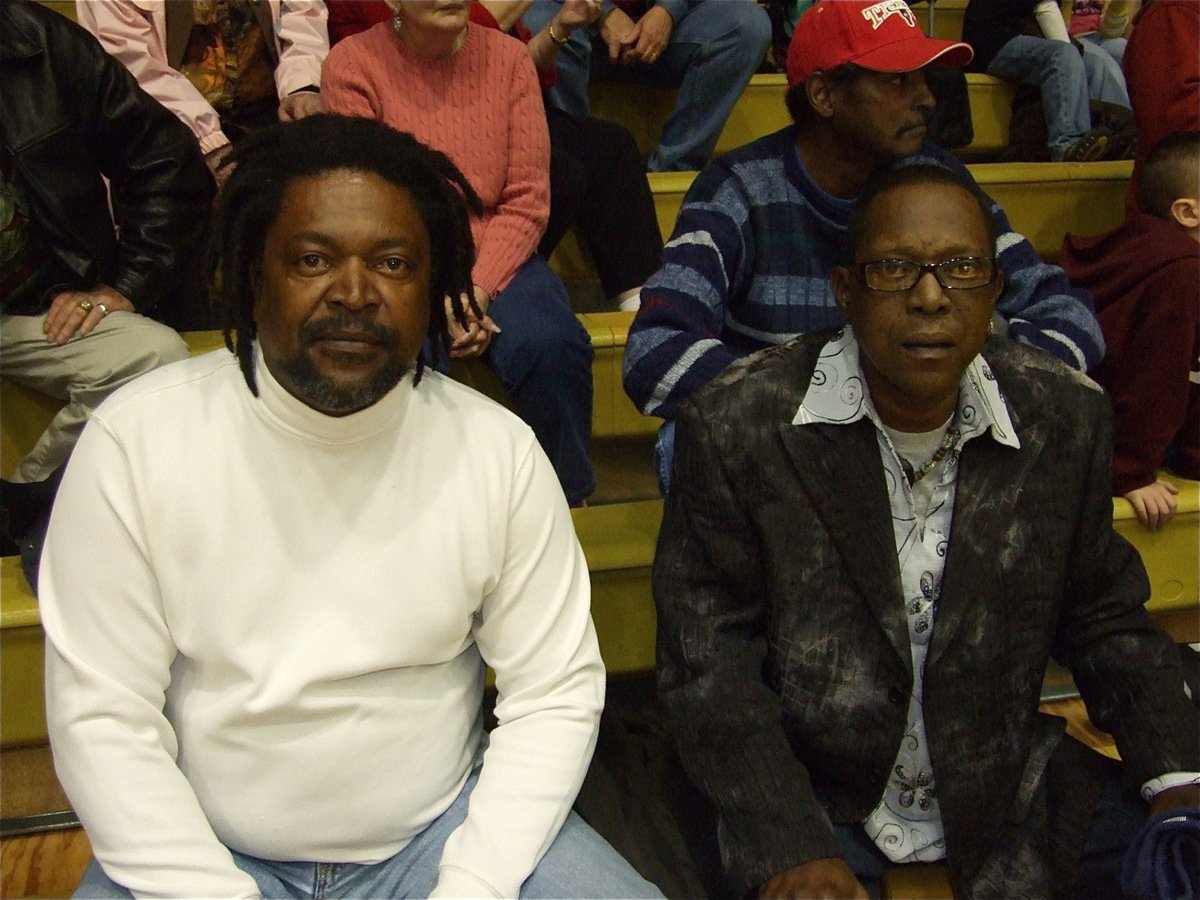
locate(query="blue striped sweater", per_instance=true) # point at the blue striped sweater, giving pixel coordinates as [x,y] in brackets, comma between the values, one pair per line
[748,266]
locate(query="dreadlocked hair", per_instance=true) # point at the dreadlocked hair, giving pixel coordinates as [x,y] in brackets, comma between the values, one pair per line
[268,161]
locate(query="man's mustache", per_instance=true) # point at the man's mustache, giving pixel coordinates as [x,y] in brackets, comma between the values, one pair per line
[348,325]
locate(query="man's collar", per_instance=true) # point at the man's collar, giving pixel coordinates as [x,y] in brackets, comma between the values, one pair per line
[15,41]
[838,395]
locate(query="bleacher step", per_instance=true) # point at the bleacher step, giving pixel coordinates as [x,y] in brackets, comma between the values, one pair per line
[1044,201]
[761,110]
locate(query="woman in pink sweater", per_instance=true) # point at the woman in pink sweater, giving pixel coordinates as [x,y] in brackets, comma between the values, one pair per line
[472,93]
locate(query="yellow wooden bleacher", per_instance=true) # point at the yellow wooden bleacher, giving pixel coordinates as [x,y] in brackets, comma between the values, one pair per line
[1043,201]
[760,110]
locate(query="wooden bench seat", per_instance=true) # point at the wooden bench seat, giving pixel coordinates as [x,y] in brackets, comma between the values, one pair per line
[618,541]
[1044,202]
[760,110]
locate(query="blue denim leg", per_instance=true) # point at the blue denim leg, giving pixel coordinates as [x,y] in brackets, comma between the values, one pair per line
[573,61]
[1114,47]
[664,455]
[96,884]
[543,357]
[1106,79]
[283,881]
[413,872]
[1057,68]
[579,863]
[714,49]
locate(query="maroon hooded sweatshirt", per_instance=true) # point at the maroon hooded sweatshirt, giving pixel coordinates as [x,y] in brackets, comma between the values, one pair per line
[1145,278]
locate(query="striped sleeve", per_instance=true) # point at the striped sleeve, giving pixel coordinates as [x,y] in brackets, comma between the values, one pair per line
[674,344]
[1041,306]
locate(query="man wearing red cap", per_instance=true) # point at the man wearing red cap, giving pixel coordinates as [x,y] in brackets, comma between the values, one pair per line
[762,227]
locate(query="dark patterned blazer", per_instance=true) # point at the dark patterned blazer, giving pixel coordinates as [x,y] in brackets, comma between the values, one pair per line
[783,652]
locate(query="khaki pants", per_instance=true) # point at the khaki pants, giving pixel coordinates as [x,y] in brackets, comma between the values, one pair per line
[81,372]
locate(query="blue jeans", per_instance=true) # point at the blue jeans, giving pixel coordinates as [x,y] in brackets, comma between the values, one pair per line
[1068,79]
[664,455]
[543,357]
[714,49]
[579,863]
[1114,47]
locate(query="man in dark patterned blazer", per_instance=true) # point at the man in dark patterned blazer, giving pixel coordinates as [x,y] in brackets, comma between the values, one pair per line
[854,683]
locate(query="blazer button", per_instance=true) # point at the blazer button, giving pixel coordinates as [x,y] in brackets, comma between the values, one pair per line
[896,696]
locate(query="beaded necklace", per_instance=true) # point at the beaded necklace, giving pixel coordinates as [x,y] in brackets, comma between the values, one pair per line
[948,443]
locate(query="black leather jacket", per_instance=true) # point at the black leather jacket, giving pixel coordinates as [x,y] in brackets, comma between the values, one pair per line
[69,114]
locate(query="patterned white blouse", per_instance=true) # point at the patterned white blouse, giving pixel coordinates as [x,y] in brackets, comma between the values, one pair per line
[907,823]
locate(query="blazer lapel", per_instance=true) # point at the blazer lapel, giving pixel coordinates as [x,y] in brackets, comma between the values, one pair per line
[991,478]
[179,30]
[262,14]
[839,467]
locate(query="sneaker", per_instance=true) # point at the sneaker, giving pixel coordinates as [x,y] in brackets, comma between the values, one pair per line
[1088,148]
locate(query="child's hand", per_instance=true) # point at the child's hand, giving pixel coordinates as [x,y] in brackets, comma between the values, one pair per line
[1154,504]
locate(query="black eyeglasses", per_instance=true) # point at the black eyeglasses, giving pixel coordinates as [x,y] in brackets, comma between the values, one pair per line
[961,274]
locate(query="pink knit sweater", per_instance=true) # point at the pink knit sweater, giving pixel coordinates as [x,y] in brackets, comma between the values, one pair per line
[480,106]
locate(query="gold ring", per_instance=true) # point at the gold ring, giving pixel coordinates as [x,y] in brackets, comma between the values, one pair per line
[103,309]
[86,306]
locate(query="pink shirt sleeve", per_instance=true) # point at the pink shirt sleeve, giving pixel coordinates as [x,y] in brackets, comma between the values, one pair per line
[302,36]
[129,31]
[135,32]
[347,90]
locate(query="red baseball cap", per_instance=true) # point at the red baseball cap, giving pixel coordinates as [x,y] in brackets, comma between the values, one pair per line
[881,35]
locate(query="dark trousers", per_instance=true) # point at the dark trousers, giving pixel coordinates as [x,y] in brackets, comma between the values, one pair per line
[598,184]
[1115,823]
[543,357]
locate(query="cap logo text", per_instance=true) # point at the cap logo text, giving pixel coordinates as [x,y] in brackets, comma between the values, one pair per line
[881,12]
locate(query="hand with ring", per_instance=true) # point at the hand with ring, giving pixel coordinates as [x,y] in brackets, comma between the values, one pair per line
[79,312]
[649,38]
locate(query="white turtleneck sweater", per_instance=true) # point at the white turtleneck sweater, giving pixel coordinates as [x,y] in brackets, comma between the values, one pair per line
[267,627]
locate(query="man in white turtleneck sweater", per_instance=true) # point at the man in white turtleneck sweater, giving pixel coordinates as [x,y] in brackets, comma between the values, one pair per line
[273,579]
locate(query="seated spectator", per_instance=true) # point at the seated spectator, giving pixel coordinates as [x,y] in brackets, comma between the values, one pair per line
[597,183]
[709,48]
[1105,23]
[762,227]
[225,67]
[76,290]
[472,93]
[1163,70]
[1068,75]
[1144,276]
[312,617]
[876,540]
